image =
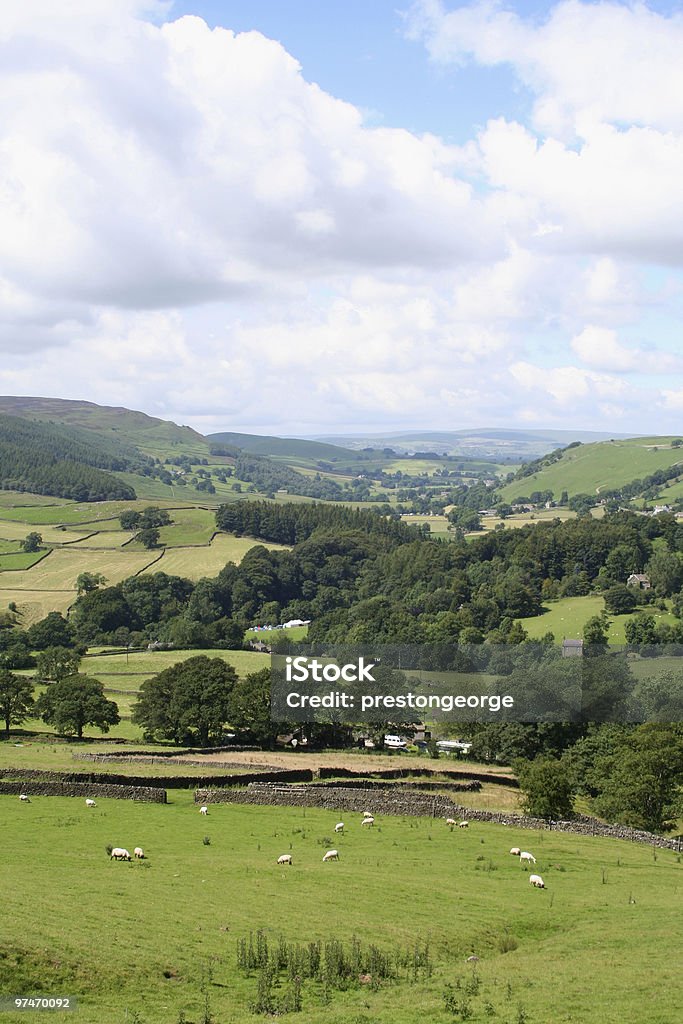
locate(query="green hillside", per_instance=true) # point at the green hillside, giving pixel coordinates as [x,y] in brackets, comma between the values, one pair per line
[285,447]
[150,434]
[595,468]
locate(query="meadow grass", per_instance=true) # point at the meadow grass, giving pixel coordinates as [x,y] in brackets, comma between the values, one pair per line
[592,468]
[195,562]
[154,938]
[568,616]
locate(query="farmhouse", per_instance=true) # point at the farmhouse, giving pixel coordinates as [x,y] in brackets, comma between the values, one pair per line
[572,648]
[640,580]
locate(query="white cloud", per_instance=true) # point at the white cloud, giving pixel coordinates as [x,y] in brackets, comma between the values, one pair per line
[190,227]
[586,62]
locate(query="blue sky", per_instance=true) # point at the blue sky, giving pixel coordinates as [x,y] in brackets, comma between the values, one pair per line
[369,215]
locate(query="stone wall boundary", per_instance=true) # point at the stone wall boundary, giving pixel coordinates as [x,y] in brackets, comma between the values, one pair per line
[145,794]
[418,805]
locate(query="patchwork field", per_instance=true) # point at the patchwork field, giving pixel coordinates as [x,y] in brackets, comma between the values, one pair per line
[156,941]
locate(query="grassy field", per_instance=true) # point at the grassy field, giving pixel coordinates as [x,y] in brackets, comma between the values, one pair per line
[17,560]
[567,617]
[159,937]
[193,563]
[592,468]
[33,605]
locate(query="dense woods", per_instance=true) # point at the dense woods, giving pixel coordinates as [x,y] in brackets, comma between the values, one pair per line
[60,461]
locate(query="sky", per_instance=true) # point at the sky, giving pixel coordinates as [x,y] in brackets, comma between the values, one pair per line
[295,217]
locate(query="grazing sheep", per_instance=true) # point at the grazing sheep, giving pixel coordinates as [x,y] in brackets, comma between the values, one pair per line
[368,821]
[537,881]
[515,851]
[451,822]
[139,853]
[526,858]
[204,809]
[367,814]
[464,824]
[118,853]
[24,798]
[286,858]
[90,803]
[331,855]
[339,827]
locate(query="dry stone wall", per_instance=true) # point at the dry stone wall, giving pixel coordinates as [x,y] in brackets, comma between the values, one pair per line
[146,794]
[416,804]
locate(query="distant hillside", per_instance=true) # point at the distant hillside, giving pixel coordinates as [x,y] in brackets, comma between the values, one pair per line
[492,443]
[134,428]
[597,468]
[284,447]
[55,460]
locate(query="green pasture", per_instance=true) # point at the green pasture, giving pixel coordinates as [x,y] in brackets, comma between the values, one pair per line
[152,940]
[207,560]
[16,559]
[140,665]
[73,512]
[592,468]
[567,617]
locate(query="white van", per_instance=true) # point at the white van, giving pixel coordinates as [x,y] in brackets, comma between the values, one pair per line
[395,743]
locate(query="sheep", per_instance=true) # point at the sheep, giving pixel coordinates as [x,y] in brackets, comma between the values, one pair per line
[118,853]
[24,798]
[286,858]
[90,803]
[537,881]
[451,822]
[204,809]
[331,855]
[368,821]
[367,814]
[515,851]
[464,824]
[526,858]
[339,827]
[139,853]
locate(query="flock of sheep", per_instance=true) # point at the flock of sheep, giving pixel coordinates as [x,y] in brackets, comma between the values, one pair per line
[368,820]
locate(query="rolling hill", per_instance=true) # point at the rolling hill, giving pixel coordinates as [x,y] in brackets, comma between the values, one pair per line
[597,468]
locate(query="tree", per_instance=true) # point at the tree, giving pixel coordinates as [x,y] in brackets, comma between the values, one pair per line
[641,630]
[32,542]
[595,635]
[52,631]
[547,787]
[189,701]
[86,582]
[640,782]
[72,703]
[16,699]
[250,709]
[129,519]
[665,572]
[57,663]
[151,518]
[149,538]
[620,599]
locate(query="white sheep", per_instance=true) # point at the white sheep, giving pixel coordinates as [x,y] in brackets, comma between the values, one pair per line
[331,855]
[463,824]
[368,821]
[537,881]
[286,858]
[118,853]
[515,851]
[367,814]
[24,798]
[204,809]
[451,822]
[339,827]
[90,803]
[139,853]
[526,858]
